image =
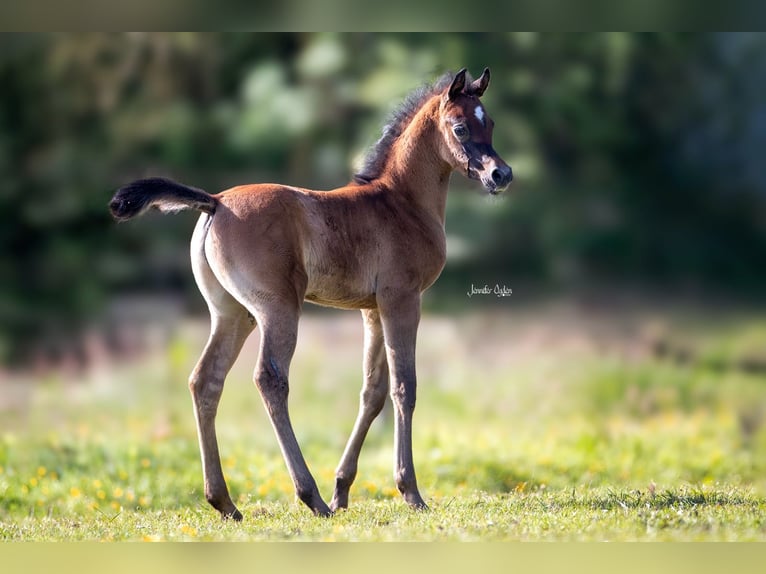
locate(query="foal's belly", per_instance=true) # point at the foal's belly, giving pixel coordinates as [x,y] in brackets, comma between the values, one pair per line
[336,291]
[348,302]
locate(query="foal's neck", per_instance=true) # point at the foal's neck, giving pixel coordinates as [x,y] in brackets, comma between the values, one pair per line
[416,169]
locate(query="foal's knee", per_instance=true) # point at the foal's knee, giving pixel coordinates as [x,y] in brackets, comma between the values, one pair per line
[205,393]
[272,385]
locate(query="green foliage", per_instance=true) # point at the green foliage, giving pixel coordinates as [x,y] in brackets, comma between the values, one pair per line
[636,156]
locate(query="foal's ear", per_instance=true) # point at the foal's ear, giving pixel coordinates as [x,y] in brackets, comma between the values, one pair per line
[457,85]
[477,87]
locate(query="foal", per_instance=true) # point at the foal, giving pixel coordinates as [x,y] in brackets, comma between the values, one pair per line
[258,251]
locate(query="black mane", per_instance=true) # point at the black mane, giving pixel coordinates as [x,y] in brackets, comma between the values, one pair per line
[398,120]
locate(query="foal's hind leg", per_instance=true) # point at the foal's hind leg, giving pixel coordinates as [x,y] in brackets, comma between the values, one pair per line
[230,326]
[206,385]
[371,401]
[279,329]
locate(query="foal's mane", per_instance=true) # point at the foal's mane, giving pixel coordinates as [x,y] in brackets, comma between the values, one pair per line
[375,159]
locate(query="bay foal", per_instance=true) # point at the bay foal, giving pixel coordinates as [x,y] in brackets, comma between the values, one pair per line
[258,251]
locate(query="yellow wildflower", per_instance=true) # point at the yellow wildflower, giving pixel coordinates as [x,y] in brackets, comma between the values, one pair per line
[390,492]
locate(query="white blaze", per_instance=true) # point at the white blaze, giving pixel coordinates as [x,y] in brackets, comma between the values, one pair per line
[479,113]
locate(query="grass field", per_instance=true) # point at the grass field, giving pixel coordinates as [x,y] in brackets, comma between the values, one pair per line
[556,422]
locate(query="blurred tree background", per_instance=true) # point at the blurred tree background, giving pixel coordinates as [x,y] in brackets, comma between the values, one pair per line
[637,157]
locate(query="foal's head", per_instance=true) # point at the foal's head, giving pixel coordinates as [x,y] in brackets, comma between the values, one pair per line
[466,129]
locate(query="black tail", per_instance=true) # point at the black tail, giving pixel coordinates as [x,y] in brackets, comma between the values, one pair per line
[159,193]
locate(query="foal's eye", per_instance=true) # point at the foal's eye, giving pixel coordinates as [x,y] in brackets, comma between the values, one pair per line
[461,132]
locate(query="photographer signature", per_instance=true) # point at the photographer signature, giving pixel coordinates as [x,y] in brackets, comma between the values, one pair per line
[498,290]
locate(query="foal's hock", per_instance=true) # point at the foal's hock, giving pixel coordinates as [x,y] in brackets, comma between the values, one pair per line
[258,251]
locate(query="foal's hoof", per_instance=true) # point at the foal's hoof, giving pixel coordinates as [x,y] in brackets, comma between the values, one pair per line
[416,502]
[313,500]
[323,511]
[235,515]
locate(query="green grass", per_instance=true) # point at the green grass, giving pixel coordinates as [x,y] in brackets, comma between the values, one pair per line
[528,427]
[585,514]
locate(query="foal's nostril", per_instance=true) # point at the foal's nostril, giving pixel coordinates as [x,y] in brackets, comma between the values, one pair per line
[502,176]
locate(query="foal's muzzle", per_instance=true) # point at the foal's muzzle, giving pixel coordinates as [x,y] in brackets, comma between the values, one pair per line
[502,176]
[486,166]
[496,178]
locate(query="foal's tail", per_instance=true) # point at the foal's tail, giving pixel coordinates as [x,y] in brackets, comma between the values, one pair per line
[159,193]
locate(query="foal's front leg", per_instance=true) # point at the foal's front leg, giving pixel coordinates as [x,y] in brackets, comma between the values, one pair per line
[371,401]
[279,332]
[400,315]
